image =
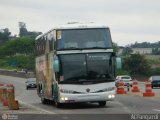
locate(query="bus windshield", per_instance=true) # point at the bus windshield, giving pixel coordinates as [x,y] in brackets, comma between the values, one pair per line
[83,38]
[90,67]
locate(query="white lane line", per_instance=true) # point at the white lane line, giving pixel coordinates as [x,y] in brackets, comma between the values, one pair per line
[122,105]
[37,108]
[156,110]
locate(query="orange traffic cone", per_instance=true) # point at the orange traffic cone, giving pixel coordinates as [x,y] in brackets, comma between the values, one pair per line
[121,89]
[148,92]
[135,86]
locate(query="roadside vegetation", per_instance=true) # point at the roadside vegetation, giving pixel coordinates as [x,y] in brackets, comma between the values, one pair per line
[18,54]
[137,65]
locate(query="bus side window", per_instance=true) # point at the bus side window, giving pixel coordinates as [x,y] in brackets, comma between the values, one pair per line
[51,44]
[55,45]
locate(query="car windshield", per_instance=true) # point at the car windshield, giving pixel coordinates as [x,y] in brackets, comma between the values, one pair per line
[84,38]
[126,77]
[156,78]
[78,68]
[31,80]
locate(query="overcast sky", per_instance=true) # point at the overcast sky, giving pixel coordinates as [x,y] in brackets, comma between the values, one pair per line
[129,20]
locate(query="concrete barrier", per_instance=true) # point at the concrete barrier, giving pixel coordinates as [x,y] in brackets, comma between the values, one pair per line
[1,91]
[7,96]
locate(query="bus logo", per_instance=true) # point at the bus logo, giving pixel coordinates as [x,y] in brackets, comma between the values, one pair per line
[87,90]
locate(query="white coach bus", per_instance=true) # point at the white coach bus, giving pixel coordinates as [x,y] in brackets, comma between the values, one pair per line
[75,63]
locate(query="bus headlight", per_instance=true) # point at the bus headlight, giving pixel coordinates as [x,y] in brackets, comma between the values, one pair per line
[111,96]
[64,98]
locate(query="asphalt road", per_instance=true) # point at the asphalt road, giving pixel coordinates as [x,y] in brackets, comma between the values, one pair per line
[123,106]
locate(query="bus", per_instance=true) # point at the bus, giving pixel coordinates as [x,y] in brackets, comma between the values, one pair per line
[75,63]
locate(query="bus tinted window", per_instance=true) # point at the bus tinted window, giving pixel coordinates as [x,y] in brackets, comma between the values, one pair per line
[84,38]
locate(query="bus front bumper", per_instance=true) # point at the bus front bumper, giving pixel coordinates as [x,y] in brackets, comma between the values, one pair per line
[87,97]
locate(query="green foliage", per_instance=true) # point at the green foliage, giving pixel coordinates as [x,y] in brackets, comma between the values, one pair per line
[18,62]
[122,72]
[153,62]
[23,32]
[156,51]
[3,63]
[127,51]
[115,47]
[18,46]
[18,54]
[4,36]
[137,64]
[146,45]
[155,71]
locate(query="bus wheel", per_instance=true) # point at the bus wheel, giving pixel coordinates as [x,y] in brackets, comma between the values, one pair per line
[102,103]
[58,105]
[43,100]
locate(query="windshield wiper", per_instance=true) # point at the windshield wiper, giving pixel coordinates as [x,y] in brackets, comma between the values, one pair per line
[98,48]
[70,48]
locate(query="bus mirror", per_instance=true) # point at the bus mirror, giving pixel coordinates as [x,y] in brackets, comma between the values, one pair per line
[56,65]
[119,63]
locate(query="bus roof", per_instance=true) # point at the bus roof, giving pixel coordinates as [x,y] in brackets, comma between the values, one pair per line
[74,25]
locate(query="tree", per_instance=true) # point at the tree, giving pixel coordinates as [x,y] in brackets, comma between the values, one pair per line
[156,51]
[137,64]
[145,45]
[115,47]
[18,53]
[22,29]
[18,46]
[23,32]
[127,51]
[4,35]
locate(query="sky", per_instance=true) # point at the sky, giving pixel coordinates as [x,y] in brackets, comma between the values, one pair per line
[129,21]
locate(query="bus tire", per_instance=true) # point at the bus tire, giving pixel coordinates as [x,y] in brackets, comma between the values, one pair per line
[43,100]
[102,103]
[58,105]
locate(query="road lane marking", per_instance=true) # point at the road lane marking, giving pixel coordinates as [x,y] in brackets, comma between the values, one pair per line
[122,105]
[156,110]
[37,108]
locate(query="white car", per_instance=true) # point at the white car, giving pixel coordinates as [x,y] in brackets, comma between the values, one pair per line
[126,79]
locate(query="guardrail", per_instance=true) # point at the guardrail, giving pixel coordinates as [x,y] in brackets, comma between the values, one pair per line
[7,96]
[15,73]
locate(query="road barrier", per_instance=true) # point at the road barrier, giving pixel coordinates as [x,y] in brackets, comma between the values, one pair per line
[12,103]
[5,99]
[8,97]
[135,88]
[148,92]
[1,91]
[120,88]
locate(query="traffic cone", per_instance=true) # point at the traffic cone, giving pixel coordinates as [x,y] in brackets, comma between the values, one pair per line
[135,86]
[121,89]
[148,92]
